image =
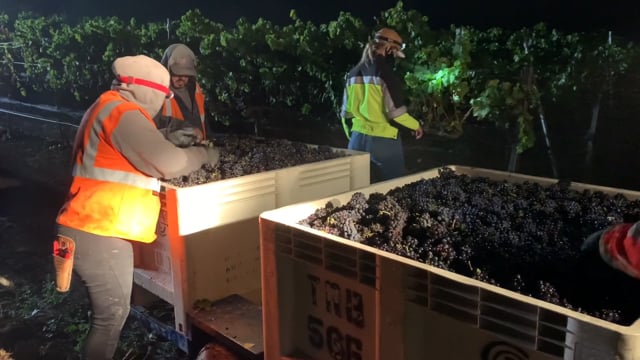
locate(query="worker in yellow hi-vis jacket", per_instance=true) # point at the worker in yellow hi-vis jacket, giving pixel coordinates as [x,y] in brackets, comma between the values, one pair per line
[373,108]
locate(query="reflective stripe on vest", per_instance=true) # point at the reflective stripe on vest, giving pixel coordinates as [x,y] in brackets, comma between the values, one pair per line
[365,80]
[169,111]
[88,170]
[167,106]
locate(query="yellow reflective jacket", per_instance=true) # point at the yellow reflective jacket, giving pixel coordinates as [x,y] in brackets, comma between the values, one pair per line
[373,100]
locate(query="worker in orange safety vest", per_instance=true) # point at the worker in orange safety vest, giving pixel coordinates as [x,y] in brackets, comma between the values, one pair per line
[183,119]
[119,157]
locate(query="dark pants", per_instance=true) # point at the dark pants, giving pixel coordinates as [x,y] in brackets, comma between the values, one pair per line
[105,265]
[387,155]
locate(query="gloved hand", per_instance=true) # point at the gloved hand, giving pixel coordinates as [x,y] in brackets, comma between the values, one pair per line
[213,155]
[185,137]
[592,242]
[590,265]
[346,125]
[606,258]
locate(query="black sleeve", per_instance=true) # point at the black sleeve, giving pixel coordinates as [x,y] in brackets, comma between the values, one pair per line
[394,85]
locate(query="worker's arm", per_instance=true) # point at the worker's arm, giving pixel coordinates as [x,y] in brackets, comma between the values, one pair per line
[346,125]
[345,115]
[394,102]
[408,121]
[148,151]
[618,246]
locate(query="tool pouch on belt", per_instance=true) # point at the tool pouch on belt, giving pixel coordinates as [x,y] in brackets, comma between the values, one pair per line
[63,250]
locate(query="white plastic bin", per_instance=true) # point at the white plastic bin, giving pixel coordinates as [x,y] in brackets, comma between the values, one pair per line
[208,244]
[325,297]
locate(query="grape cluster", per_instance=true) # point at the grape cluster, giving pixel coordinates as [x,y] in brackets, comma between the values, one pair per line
[245,155]
[523,237]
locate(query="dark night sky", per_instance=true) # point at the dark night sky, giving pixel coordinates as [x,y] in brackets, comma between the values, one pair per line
[621,16]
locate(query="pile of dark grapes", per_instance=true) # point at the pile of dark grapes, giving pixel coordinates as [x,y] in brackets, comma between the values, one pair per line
[523,237]
[245,155]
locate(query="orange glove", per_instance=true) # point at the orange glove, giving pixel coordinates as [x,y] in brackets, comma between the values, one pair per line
[618,246]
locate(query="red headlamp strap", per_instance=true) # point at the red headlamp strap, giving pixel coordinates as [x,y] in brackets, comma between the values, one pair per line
[142,82]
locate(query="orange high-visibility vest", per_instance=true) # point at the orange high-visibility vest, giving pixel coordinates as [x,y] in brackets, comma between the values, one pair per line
[108,196]
[172,109]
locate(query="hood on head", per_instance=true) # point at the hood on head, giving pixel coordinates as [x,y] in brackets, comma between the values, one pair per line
[180,60]
[150,97]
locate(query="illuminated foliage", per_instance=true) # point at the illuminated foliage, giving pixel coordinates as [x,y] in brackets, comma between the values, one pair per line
[264,74]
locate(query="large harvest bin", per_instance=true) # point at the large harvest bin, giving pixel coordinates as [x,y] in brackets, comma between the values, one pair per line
[325,297]
[208,235]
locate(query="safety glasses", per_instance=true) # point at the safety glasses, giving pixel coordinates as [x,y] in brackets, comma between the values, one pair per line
[402,46]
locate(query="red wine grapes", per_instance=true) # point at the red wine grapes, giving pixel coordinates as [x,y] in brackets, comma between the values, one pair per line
[245,155]
[520,236]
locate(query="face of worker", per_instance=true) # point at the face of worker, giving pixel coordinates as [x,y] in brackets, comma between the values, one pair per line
[394,52]
[179,81]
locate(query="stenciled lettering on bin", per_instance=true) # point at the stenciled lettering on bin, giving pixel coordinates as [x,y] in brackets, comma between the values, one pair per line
[330,298]
[161,226]
[500,350]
